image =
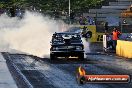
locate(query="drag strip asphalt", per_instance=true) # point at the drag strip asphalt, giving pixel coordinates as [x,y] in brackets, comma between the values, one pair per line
[44,73]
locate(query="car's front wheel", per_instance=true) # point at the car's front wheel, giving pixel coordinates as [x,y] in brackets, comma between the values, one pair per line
[52,57]
[81,56]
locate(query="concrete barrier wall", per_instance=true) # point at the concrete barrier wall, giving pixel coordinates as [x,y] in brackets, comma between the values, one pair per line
[124,48]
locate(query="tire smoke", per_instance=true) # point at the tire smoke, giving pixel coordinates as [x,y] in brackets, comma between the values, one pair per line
[31,35]
[86,47]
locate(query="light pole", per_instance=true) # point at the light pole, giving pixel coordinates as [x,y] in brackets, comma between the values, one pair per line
[69,11]
[69,8]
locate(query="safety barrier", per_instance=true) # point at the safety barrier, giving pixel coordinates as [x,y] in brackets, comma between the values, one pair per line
[124,48]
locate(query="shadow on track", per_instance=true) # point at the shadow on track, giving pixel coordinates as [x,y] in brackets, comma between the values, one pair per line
[70,61]
[59,60]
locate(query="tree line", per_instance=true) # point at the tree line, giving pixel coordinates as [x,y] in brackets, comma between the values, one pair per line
[51,5]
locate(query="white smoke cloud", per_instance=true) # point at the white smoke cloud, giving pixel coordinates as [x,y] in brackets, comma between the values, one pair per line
[86,47]
[31,35]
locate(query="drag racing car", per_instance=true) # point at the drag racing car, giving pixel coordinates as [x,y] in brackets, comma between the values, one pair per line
[66,44]
[86,33]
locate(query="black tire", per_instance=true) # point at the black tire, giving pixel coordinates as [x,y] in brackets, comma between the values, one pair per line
[81,56]
[89,34]
[52,57]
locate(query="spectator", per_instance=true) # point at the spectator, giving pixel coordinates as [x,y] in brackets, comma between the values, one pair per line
[115,36]
[88,20]
[82,20]
[109,41]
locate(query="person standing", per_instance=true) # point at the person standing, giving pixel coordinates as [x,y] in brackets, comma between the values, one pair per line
[109,41]
[84,31]
[115,36]
[81,20]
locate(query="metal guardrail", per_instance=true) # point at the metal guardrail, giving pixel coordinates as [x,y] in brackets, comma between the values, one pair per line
[124,0]
[115,7]
[104,11]
[121,2]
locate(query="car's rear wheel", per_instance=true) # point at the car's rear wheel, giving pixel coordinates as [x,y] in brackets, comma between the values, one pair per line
[81,56]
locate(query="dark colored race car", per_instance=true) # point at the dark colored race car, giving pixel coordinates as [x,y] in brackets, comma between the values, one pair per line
[86,33]
[66,44]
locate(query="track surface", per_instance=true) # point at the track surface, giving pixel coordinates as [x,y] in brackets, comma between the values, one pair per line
[61,74]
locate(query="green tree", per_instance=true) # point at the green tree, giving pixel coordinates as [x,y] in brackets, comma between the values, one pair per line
[77,5]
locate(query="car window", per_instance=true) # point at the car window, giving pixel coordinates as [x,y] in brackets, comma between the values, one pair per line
[74,38]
